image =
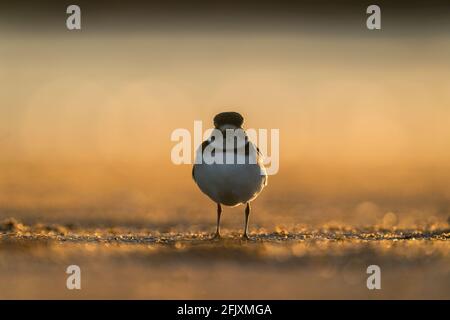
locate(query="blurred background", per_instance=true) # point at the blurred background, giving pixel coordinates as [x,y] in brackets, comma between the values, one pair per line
[86,116]
[85,152]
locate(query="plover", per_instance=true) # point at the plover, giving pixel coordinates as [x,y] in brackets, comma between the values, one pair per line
[230,171]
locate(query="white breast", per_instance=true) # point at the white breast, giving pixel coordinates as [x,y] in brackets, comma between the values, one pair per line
[232,184]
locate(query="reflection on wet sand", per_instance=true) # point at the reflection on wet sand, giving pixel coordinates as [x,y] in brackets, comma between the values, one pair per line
[313,263]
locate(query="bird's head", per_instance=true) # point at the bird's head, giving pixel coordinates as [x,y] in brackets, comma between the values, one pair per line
[228,120]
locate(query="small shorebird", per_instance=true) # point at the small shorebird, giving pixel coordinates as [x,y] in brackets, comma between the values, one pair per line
[226,182]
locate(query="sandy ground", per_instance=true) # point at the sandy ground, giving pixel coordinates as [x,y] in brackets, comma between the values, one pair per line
[127,263]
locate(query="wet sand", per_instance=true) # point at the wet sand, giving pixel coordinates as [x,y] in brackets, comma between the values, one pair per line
[137,263]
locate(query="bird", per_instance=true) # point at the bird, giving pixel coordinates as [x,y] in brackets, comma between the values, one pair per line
[229,183]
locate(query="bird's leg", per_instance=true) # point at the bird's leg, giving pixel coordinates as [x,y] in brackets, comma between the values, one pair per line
[247,213]
[219,213]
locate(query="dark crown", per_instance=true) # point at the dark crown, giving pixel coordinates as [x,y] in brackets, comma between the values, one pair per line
[233,118]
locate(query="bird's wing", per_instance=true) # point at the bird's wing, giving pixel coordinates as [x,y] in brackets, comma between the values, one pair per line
[203,146]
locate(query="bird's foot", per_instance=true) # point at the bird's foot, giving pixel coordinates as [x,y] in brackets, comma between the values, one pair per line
[245,237]
[216,236]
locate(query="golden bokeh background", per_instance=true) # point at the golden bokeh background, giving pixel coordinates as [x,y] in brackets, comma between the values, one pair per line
[86,118]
